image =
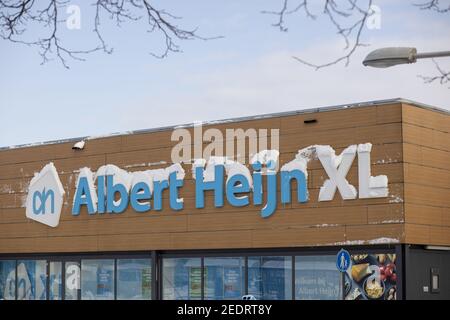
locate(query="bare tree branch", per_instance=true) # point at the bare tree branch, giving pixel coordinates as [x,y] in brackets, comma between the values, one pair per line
[337,13]
[285,12]
[18,15]
[433,5]
[355,16]
[443,77]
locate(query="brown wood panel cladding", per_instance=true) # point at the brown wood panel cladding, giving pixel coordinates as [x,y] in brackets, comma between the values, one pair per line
[426,118]
[388,151]
[426,153]
[386,213]
[424,175]
[372,233]
[52,152]
[427,235]
[425,215]
[426,137]
[343,118]
[49,244]
[426,156]
[410,145]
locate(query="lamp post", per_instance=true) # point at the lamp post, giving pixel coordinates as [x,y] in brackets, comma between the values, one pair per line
[388,57]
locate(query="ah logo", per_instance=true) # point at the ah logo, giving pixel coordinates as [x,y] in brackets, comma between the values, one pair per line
[42,197]
[45,197]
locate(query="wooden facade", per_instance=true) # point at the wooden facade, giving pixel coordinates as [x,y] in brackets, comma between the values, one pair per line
[411,145]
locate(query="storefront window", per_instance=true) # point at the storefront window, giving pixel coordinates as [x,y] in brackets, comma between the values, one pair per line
[182,279]
[270,278]
[32,280]
[134,279]
[97,279]
[72,282]
[224,278]
[317,278]
[7,280]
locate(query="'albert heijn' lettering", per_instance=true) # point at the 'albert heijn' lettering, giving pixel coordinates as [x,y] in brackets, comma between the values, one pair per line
[117,189]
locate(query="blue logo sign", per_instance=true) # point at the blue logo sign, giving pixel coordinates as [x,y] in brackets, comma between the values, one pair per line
[343,260]
[43,197]
[140,194]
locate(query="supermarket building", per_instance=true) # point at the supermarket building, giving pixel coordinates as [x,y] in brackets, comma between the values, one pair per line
[66,232]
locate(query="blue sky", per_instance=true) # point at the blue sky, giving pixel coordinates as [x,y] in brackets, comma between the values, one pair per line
[249,71]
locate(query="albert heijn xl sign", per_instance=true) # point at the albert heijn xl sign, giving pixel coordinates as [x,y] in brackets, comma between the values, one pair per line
[113,190]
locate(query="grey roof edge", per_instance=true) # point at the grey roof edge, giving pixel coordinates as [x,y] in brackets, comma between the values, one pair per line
[239,119]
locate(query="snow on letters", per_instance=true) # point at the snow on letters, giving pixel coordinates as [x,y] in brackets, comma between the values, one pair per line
[111,189]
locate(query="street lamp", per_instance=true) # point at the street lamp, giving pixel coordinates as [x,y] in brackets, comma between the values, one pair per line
[388,57]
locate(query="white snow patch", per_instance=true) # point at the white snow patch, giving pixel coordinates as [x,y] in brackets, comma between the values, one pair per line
[151,164]
[50,167]
[386,161]
[24,201]
[396,199]
[209,172]
[108,135]
[231,168]
[175,168]
[382,240]
[129,179]
[216,122]
[296,164]
[301,160]
[324,153]
[182,126]
[325,225]
[265,156]
[388,221]
[6,188]
[196,163]
[34,144]
[137,165]
[119,175]
[365,147]
[142,176]
[87,173]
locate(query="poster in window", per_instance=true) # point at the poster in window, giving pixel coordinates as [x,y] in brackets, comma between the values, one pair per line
[371,277]
[104,281]
[231,283]
[146,283]
[195,283]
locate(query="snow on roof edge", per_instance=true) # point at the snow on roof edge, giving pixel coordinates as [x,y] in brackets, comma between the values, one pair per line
[237,119]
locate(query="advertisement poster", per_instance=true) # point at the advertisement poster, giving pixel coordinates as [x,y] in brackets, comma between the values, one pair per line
[231,283]
[371,277]
[7,280]
[104,282]
[195,283]
[31,280]
[147,283]
[318,285]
